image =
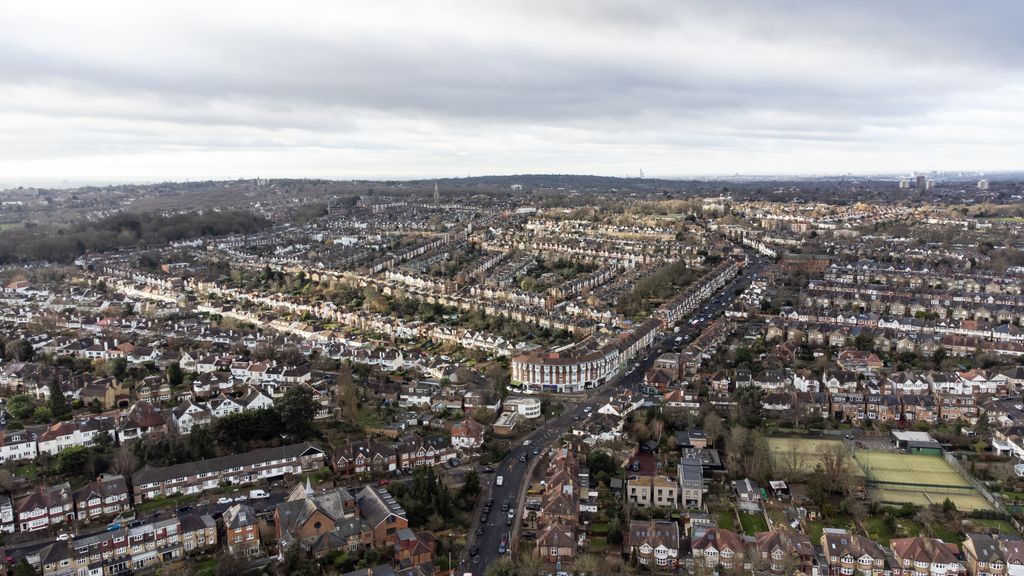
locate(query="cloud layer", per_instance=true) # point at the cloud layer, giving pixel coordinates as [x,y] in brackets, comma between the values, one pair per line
[152,90]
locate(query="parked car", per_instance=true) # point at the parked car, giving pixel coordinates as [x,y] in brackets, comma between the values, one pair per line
[224,500]
[241,498]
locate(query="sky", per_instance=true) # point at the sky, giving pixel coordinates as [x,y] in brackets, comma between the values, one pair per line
[151,91]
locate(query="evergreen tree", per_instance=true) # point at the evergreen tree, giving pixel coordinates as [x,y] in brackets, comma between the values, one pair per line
[58,404]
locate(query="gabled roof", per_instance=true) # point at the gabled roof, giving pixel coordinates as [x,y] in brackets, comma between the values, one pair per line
[376,504]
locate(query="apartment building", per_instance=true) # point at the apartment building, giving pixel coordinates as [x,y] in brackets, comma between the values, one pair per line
[195,477]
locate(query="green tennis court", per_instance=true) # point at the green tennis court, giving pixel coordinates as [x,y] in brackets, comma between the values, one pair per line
[892,468]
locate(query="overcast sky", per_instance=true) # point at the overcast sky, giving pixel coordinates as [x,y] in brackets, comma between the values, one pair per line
[144,91]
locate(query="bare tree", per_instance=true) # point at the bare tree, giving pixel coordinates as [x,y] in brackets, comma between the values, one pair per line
[834,464]
[529,561]
[6,480]
[587,565]
[790,463]
[124,461]
[713,427]
[736,450]
[758,460]
[347,397]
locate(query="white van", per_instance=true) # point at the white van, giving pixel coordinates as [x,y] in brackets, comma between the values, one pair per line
[499,480]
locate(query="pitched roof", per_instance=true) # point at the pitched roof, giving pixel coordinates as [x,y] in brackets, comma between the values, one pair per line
[376,504]
[150,474]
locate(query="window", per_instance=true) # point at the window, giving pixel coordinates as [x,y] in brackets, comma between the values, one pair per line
[317,525]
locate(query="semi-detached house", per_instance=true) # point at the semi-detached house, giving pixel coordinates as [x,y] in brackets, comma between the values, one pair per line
[17,445]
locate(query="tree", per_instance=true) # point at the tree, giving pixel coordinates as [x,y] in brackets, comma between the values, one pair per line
[124,461]
[116,367]
[713,427]
[502,568]
[297,562]
[347,395]
[7,482]
[758,463]
[23,568]
[175,377]
[736,450]
[19,351]
[58,403]
[587,565]
[749,402]
[103,441]
[297,409]
[529,562]
[470,488]
[71,460]
[21,406]
[791,463]
[834,466]
[200,443]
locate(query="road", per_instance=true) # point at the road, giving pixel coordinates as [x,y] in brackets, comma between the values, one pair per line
[513,471]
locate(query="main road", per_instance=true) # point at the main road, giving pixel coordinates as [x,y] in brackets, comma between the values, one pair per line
[512,469]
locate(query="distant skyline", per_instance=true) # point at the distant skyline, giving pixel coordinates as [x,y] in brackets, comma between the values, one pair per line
[144,92]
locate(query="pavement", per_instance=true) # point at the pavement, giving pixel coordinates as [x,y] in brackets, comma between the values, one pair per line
[514,473]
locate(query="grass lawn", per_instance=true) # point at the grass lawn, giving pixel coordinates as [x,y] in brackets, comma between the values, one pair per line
[878,530]
[945,534]
[29,471]
[726,518]
[778,518]
[1002,526]
[597,545]
[814,530]
[753,523]
[370,418]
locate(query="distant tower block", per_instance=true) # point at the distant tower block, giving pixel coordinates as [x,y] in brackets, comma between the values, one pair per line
[919,182]
[929,184]
[437,195]
[904,184]
[982,184]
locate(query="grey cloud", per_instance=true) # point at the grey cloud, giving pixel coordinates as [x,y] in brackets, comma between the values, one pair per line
[660,73]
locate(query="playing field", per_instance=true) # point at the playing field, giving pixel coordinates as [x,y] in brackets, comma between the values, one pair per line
[888,468]
[896,478]
[808,452]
